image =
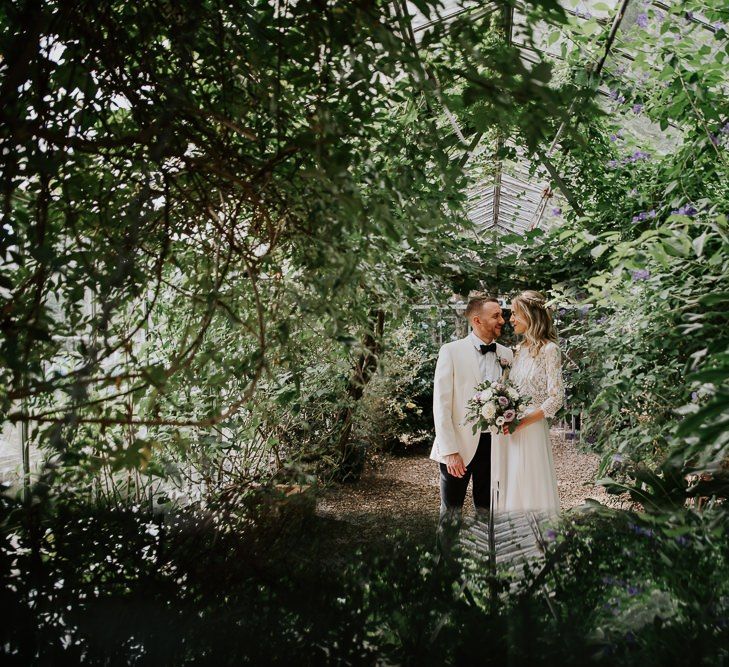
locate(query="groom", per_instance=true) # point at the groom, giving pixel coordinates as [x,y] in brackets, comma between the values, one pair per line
[462,455]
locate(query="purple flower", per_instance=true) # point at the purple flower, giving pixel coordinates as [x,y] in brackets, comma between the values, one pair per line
[694,396]
[642,20]
[613,137]
[639,530]
[503,401]
[641,274]
[509,416]
[688,210]
[618,458]
[644,215]
[681,540]
[612,164]
[556,211]
[632,590]
[551,535]
[639,155]
[719,25]
[637,108]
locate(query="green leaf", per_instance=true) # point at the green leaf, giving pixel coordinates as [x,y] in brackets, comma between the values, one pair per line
[698,244]
[710,375]
[714,298]
[692,424]
[675,247]
[156,375]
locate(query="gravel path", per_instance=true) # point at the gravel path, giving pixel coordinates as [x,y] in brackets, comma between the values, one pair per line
[401,492]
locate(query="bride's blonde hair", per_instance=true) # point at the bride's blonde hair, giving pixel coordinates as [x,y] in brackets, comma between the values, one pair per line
[540,328]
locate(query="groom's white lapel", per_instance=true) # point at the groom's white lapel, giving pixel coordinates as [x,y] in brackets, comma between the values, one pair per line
[457,374]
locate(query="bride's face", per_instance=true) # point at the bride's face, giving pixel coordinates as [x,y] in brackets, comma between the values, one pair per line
[517,321]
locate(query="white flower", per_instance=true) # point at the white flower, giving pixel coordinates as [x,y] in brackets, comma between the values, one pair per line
[500,421]
[487,395]
[488,411]
[512,394]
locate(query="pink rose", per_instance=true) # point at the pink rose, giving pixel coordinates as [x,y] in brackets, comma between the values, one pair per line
[503,401]
[509,416]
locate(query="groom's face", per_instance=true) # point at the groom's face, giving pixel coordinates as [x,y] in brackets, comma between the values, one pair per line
[487,324]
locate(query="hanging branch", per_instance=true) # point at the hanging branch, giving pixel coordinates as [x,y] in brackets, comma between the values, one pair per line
[563,186]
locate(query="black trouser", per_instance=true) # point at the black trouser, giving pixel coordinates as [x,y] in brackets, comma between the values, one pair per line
[453,492]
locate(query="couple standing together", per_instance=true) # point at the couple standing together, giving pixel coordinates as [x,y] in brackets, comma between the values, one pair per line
[514,472]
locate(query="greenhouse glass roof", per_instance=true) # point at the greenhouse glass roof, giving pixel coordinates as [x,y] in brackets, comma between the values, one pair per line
[522,192]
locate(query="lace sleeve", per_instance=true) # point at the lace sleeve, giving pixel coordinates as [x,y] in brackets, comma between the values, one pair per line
[555,383]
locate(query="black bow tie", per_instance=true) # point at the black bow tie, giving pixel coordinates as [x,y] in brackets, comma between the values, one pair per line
[491,347]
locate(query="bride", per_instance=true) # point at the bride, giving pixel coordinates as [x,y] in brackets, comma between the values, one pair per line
[522,467]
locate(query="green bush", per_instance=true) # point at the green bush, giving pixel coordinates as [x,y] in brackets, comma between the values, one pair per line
[250,581]
[396,411]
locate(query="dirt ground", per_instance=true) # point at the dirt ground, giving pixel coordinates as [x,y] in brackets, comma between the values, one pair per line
[400,492]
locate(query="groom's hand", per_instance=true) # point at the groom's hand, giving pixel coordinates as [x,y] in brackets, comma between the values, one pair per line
[455,466]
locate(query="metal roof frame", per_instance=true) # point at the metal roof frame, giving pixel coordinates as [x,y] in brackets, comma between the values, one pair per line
[515,197]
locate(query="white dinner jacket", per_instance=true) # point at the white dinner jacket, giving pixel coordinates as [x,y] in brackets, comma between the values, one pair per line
[457,374]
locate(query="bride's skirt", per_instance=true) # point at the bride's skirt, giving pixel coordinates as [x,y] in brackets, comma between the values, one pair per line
[522,471]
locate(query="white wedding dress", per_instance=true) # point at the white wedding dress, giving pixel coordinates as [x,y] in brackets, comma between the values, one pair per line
[522,468]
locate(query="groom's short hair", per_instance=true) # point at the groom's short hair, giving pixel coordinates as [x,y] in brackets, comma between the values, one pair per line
[475,303]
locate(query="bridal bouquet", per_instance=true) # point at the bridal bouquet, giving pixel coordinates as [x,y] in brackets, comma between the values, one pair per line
[495,405]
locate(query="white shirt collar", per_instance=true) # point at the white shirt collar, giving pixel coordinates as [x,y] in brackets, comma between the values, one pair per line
[477,342]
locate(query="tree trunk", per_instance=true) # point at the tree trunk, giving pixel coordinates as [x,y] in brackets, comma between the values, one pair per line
[362,373]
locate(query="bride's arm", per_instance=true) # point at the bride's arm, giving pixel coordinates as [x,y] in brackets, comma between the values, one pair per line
[531,418]
[555,383]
